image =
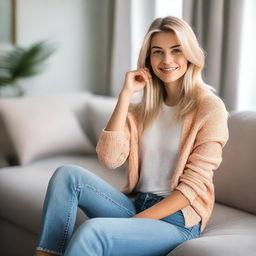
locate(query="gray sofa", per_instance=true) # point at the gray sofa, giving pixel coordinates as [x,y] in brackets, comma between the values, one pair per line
[34,141]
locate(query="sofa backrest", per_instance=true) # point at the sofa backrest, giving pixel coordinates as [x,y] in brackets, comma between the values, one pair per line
[98,112]
[236,177]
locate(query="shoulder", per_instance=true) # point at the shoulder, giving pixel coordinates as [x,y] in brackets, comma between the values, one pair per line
[212,117]
[210,103]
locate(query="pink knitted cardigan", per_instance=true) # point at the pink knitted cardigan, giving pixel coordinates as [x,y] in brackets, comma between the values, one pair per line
[204,134]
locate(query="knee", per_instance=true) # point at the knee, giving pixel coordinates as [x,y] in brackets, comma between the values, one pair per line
[61,174]
[65,174]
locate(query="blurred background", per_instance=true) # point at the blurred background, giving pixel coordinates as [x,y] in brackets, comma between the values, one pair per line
[96,41]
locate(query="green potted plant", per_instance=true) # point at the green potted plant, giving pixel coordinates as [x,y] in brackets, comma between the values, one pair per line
[20,63]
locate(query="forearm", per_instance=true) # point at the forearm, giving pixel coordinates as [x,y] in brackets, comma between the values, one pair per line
[169,205]
[118,118]
[113,145]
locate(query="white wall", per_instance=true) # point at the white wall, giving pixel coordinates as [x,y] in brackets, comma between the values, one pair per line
[81,30]
[78,64]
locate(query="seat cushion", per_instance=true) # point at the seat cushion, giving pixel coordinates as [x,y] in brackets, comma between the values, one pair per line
[226,220]
[23,188]
[229,232]
[231,245]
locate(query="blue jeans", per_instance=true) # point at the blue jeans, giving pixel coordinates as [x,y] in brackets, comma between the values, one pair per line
[110,230]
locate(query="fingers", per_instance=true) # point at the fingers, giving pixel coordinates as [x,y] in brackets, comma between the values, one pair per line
[144,72]
[137,79]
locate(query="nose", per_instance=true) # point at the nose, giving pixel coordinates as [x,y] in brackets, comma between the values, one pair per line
[167,58]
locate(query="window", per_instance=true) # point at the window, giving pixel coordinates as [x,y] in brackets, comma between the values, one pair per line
[169,8]
[247,74]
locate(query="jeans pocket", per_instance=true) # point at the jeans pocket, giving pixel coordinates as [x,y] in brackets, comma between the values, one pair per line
[176,218]
[195,231]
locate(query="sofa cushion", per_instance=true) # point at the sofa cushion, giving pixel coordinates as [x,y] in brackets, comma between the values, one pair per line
[227,221]
[6,148]
[233,245]
[229,232]
[41,126]
[235,178]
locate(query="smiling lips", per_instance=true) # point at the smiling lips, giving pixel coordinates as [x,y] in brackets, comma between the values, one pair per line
[168,70]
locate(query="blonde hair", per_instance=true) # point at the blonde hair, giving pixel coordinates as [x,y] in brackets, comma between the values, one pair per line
[154,93]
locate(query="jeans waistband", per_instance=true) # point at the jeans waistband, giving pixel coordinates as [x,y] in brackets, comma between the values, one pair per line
[148,195]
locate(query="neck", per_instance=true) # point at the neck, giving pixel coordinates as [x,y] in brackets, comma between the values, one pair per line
[173,94]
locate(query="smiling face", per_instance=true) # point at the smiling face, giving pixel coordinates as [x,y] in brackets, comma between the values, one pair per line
[167,59]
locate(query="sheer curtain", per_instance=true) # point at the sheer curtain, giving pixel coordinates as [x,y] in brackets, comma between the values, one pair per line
[218,25]
[226,30]
[247,73]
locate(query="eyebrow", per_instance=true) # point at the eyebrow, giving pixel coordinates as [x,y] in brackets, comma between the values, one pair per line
[158,47]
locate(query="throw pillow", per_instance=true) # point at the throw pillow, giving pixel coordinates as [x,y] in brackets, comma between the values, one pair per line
[42,126]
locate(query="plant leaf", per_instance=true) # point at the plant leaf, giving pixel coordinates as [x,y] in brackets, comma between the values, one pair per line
[21,63]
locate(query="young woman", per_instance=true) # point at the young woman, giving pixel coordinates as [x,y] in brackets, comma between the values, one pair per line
[172,140]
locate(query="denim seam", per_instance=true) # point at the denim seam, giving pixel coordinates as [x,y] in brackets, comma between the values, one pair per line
[62,243]
[105,196]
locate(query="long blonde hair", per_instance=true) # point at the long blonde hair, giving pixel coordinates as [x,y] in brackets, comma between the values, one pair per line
[154,93]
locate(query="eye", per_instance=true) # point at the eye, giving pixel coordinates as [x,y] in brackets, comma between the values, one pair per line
[157,52]
[176,51]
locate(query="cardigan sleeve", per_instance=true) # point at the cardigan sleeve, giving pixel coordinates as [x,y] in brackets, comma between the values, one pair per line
[206,154]
[113,147]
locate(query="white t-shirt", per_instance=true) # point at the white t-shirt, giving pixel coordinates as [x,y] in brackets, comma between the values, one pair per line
[158,152]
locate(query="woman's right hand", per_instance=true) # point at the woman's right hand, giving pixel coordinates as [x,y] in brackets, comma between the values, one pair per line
[136,80]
